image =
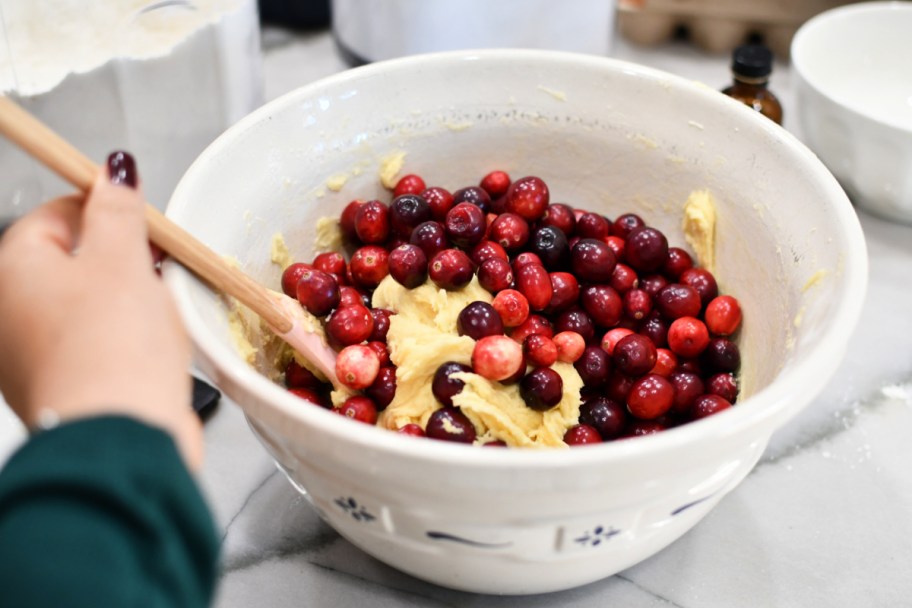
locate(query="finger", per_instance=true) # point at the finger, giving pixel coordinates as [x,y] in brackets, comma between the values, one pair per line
[56,222]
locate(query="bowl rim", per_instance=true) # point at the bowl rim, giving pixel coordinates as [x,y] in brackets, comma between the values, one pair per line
[798,46]
[767,407]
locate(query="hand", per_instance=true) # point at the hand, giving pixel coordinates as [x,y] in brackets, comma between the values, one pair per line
[86,326]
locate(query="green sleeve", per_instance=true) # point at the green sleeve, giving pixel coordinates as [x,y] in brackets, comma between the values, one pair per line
[102,512]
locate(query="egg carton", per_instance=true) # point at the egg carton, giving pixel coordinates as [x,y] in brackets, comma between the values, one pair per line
[718,26]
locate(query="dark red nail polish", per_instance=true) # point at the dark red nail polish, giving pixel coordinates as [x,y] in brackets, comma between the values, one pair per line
[122,169]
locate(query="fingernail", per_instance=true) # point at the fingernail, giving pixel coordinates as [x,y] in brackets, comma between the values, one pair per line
[122,169]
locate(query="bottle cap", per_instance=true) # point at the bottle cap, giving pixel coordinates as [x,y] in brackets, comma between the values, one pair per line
[752,61]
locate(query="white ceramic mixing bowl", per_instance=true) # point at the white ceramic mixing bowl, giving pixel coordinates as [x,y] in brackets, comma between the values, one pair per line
[605,135]
[854,100]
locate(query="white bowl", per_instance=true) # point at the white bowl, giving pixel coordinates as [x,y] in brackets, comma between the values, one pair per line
[854,100]
[607,135]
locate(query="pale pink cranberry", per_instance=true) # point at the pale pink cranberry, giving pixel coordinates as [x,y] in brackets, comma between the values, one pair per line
[570,346]
[359,408]
[512,306]
[357,366]
[496,357]
[540,351]
[612,337]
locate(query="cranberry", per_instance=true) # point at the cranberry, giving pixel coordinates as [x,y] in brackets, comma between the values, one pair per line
[443,386]
[495,183]
[540,351]
[290,277]
[439,200]
[618,246]
[560,216]
[707,405]
[533,281]
[570,346]
[722,355]
[528,197]
[369,265]
[592,261]
[625,224]
[495,275]
[485,250]
[576,319]
[372,222]
[613,336]
[687,337]
[666,362]
[653,284]
[676,263]
[581,434]
[676,300]
[606,416]
[331,262]
[349,295]
[541,389]
[318,292]
[496,357]
[641,428]
[703,281]
[634,355]
[298,376]
[382,352]
[564,292]
[347,221]
[723,315]
[656,329]
[687,387]
[450,269]
[510,231]
[310,395]
[512,306]
[603,304]
[724,385]
[406,212]
[526,257]
[409,184]
[496,443]
[618,386]
[518,374]
[594,366]
[474,196]
[650,397]
[350,325]
[550,245]
[465,225]
[637,304]
[381,318]
[430,237]
[647,249]
[691,365]
[411,429]
[479,319]
[359,408]
[623,278]
[357,366]
[449,424]
[408,266]
[592,226]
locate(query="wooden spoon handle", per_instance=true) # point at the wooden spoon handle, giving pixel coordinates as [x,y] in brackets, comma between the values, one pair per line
[57,154]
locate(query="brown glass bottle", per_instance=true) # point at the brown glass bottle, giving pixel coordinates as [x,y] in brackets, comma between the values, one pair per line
[751,67]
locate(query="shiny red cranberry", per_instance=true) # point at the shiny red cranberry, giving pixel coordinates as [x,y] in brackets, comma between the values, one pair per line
[512,306]
[618,246]
[560,216]
[687,387]
[331,262]
[526,257]
[676,263]
[724,385]
[570,346]
[311,395]
[347,221]
[655,328]
[406,212]
[594,366]
[564,292]
[497,357]
[605,415]
[540,351]
[479,319]
[702,281]
[369,265]
[495,275]
[298,376]
[443,386]
[409,184]
[603,304]
[528,197]
[550,245]
[357,366]
[450,269]
[623,278]
[647,249]
[440,200]
[687,337]
[650,397]
[475,196]
[707,405]
[349,295]
[612,337]
[465,225]
[722,316]
[381,318]
[495,183]
[430,237]
[510,231]
[577,320]
[637,304]
[411,429]
[290,277]
[592,261]
[653,284]
[634,355]
[318,292]
[449,424]
[581,434]
[534,282]
[666,362]
[359,408]
[625,224]
[641,428]
[676,300]
[534,324]
[721,355]
[350,325]
[372,222]
[408,266]
[592,226]
[541,389]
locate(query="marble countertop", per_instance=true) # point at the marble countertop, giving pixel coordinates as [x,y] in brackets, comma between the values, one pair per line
[825,519]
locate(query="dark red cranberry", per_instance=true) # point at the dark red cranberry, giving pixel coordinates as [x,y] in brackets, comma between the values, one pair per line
[646,250]
[581,434]
[594,366]
[347,221]
[592,226]
[331,262]
[534,324]
[676,300]
[578,320]
[528,197]
[707,405]
[450,269]
[676,263]
[541,389]
[687,387]
[634,355]
[605,415]
[722,355]
[477,320]
[702,281]
[449,424]
[618,246]
[550,245]
[592,261]
[350,325]
[653,284]
[724,385]
[369,265]
[465,225]
[495,443]
[409,184]
[625,224]
[656,329]
[650,397]
[560,216]
[495,275]
[510,231]
[349,295]
[690,365]
[534,282]
[298,376]
[359,408]
[318,292]
[310,395]
[641,428]
[408,266]
[618,386]
[406,212]
[443,386]
[383,390]
[564,292]
[381,317]
[411,429]
[475,196]
[439,200]
[623,278]
[290,277]
[495,183]
[383,354]
[372,222]
[637,304]
[431,237]
[603,304]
